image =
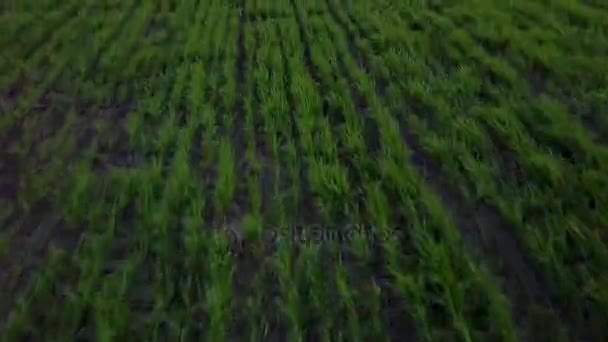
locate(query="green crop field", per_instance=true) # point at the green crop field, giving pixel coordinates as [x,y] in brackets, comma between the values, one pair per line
[304,170]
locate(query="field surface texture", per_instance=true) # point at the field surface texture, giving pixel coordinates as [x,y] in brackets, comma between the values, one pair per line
[290,170]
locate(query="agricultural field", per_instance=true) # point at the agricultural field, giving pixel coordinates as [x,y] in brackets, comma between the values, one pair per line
[304,170]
